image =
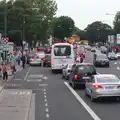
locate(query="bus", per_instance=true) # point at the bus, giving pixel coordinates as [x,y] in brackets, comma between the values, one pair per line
[61,54]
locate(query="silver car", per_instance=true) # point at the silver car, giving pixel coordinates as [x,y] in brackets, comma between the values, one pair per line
[35,60]
[66,71]
[103,85]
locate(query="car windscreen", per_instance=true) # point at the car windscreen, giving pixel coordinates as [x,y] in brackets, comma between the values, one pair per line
[62,50]
[107,79]
[86,69]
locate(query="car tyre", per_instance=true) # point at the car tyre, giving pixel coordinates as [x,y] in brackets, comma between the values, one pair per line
[44,65]
[74,86]
[93,99]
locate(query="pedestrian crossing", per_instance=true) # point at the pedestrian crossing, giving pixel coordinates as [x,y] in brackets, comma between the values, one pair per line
[36,78]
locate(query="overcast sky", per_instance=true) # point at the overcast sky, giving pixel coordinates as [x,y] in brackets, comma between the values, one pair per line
[85,12]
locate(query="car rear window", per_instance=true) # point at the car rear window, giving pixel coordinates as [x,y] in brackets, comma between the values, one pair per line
[86,69]
[107,79]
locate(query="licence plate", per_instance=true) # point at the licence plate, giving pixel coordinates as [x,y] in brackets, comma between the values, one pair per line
[102,63]
[86,77]
[110,87]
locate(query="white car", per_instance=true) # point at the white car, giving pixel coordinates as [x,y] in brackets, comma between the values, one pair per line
[66,71]
[118,55]
[103,85]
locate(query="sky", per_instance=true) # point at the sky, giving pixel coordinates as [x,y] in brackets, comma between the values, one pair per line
[84,12]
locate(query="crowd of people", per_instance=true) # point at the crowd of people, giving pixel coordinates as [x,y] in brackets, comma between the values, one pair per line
[17,58]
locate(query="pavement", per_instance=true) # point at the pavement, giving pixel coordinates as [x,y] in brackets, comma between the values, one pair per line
[47,96]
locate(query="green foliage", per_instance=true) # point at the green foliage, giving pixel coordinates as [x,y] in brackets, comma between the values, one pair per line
[117,23]
[31,17]
[98,32]
[63,27]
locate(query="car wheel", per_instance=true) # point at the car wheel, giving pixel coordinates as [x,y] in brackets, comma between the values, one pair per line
[108,65]
[93,99]
[44,65]
[74,86]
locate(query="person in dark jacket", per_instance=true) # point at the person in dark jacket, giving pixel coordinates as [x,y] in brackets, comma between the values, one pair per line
[23,61]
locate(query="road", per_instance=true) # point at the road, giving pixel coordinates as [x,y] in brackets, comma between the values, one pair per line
[48,97]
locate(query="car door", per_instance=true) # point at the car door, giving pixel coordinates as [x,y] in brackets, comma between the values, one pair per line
[72,72]
[90,85]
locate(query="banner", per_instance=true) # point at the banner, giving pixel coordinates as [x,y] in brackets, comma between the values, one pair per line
[118,38]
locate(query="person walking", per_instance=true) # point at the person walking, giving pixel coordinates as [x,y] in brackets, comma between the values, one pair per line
[23,61]
[4,70]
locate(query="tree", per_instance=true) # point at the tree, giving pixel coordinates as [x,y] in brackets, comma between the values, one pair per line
[63,27]
[28,20]
[117,23]
[82,34]
[98,32]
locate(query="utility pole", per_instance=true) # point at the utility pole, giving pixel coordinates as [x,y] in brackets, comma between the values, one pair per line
[5,18]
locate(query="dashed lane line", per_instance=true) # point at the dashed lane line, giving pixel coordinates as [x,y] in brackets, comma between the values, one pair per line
[27,73]
[88,109]
[46,104]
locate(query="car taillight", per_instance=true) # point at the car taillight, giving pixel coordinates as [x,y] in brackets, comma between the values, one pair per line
[43,59]
[96,86]
[118,86]
[31,60]
[75,77]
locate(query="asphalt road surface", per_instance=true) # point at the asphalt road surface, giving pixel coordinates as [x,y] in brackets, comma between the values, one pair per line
[51,98]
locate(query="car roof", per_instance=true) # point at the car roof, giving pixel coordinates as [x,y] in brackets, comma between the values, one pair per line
[83,64]
[102,75]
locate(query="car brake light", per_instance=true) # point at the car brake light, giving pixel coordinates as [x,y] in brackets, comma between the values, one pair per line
[44,59]
[52,62]
[31,60]
[118,86]
[97,86]
[75,77]
[85,65]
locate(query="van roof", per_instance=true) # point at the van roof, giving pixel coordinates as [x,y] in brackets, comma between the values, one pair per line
[61,44]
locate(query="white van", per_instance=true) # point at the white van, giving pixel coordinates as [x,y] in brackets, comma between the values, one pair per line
[61,54]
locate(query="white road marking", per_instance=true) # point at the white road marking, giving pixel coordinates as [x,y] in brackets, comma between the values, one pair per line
[45,78]
[17,79]
[45,96]
[47,116]
[118,68]
[33,80]
[44,93]
[45,100]
[89,110]
[46,109]
[46,104]
[115,63]
[27,73]
[43,85]
[98,73]
[44,90]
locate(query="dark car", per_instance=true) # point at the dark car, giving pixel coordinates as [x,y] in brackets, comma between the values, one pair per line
[80,73]
[101,60]
[47,60]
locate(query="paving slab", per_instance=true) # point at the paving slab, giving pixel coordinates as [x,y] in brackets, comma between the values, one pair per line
[15,104]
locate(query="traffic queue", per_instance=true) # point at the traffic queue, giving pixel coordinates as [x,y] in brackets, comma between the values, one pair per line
[70,60]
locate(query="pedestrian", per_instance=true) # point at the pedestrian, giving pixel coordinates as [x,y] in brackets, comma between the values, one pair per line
[81,58]
[23,61]
[4,70]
